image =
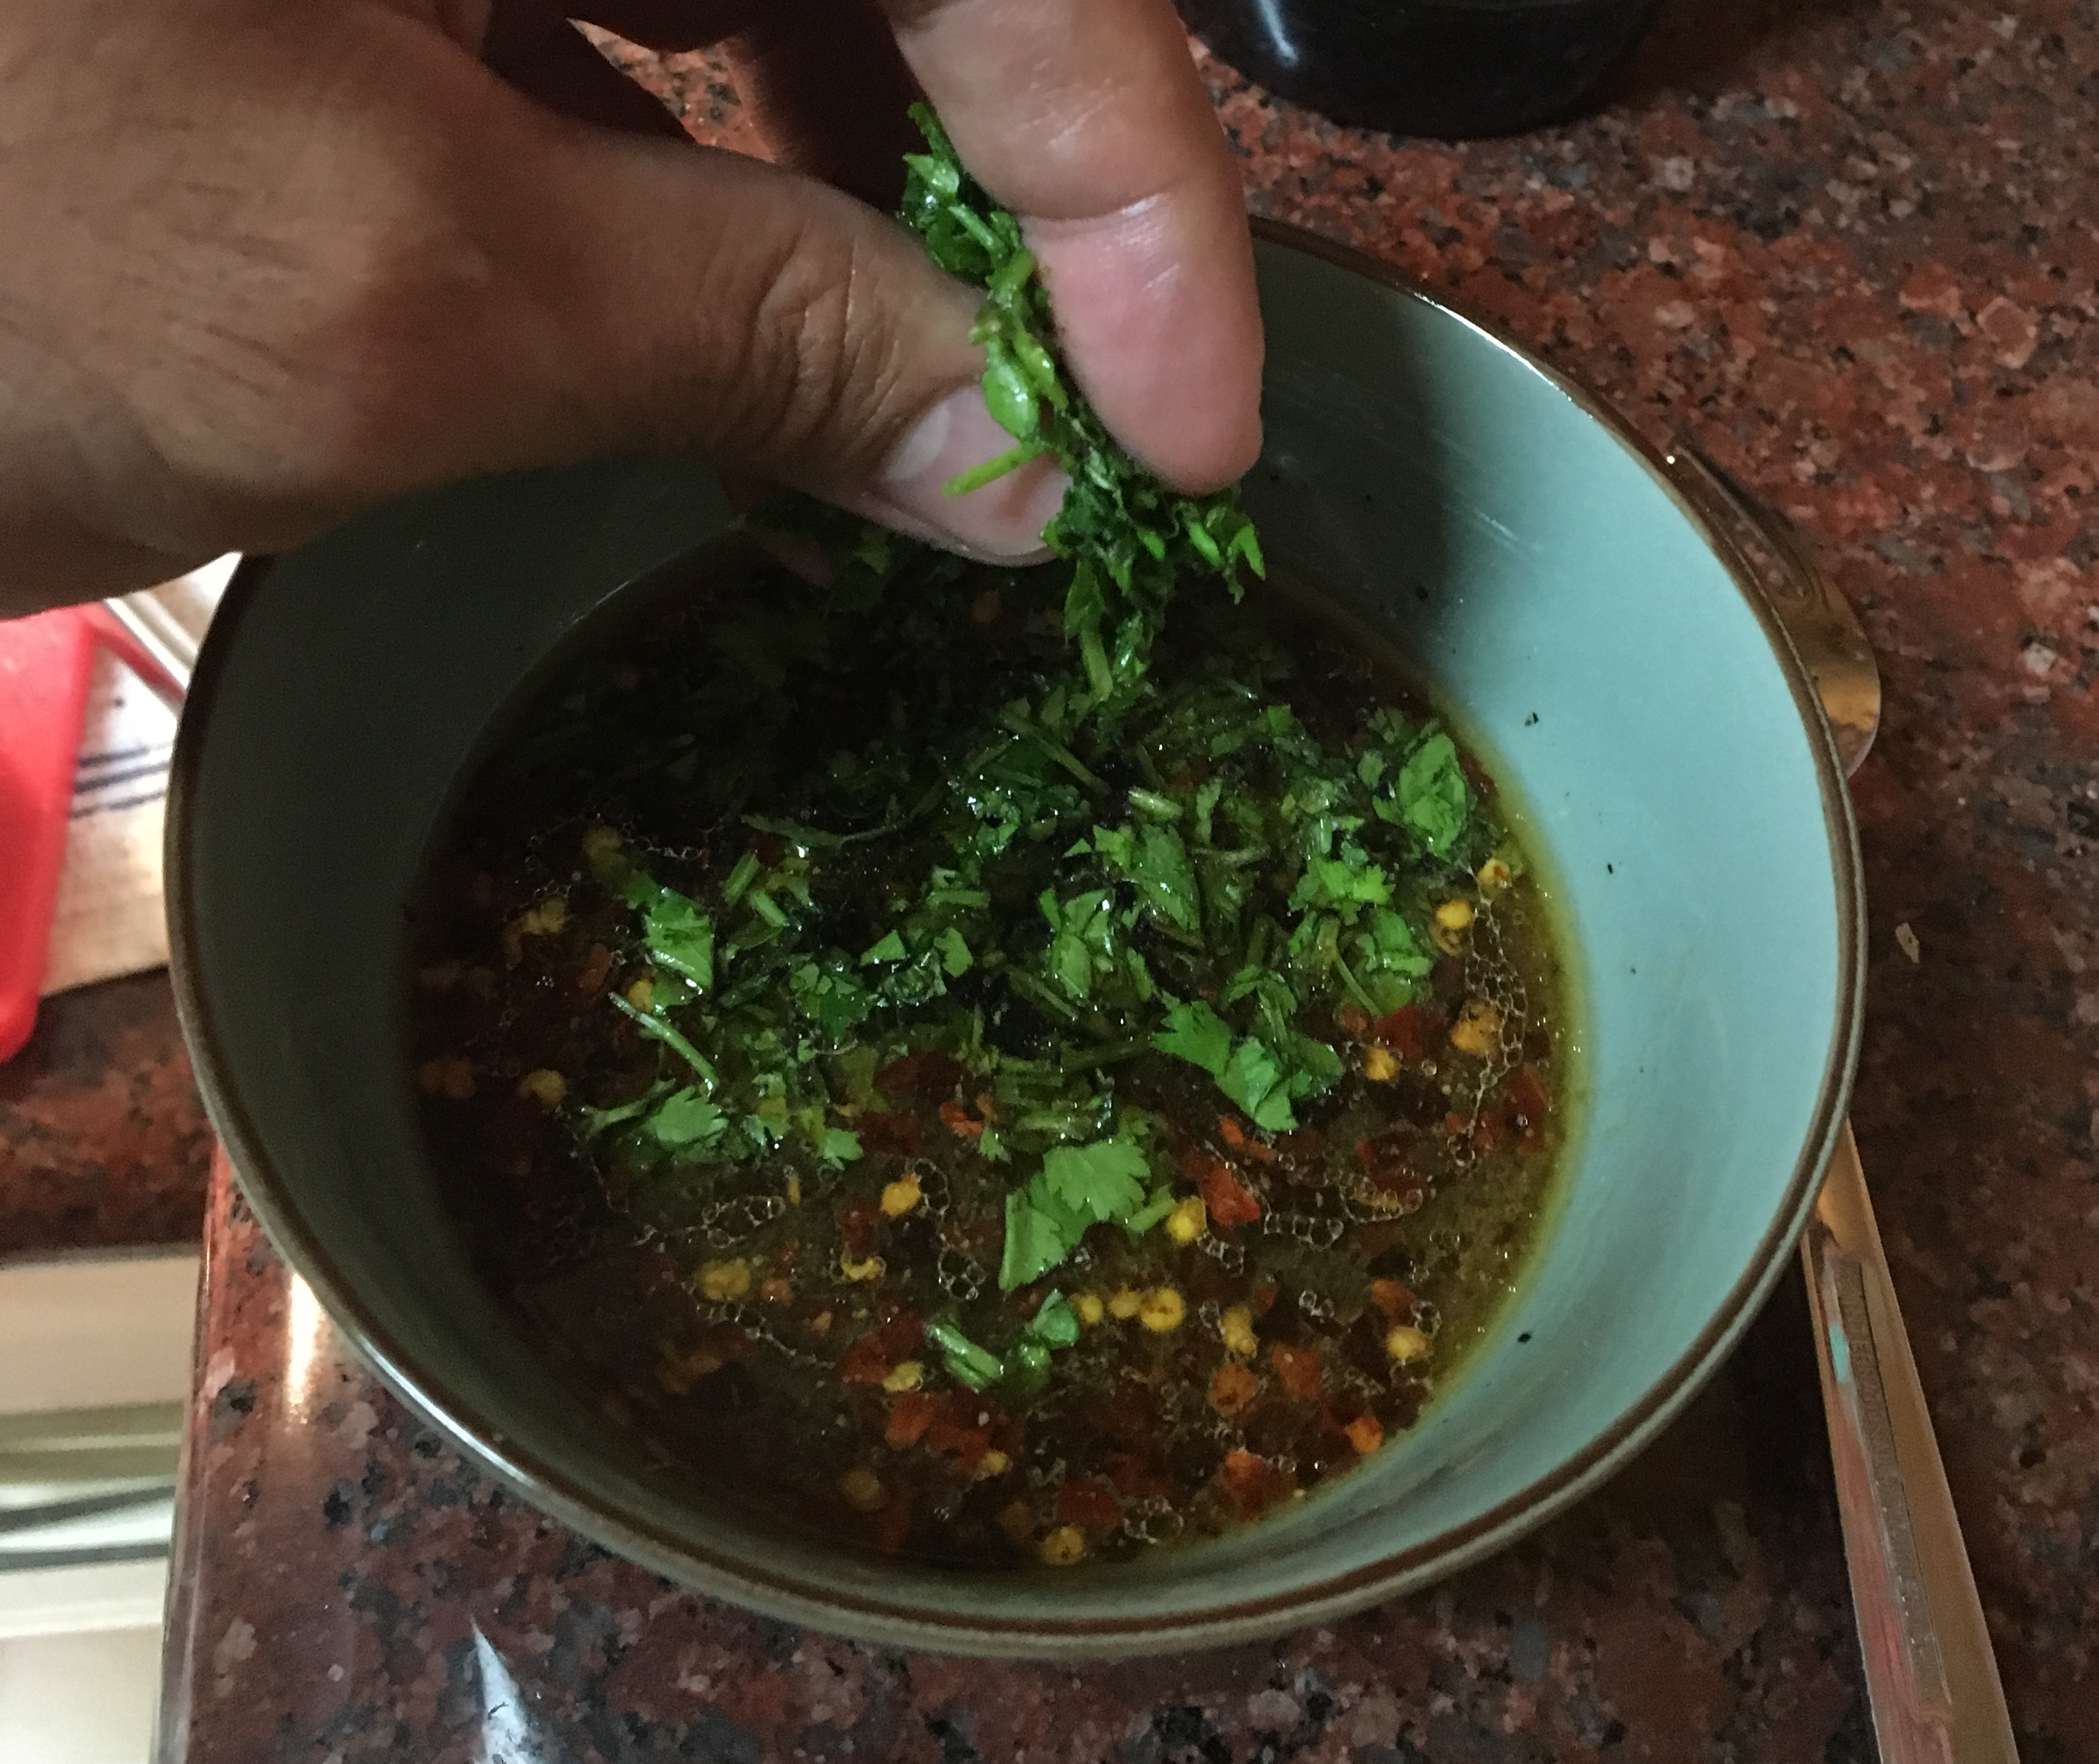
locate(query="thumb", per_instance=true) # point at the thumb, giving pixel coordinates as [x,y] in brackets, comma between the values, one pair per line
[700,300]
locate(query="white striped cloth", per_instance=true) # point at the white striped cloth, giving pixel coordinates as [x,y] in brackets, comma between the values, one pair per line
[110,920]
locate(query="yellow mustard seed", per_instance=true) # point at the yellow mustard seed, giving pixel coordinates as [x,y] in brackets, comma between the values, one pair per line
[900,1196]
[1188,1221]
[1494,875]
[1123,1302]
[1089,1309]
[907,1374]
[994,1462]
[545,918]
[1478,1029]
[1454,915]
[863,1490]
[873,1268]
[724,1282]
[1405,1343]
[1379,1066]
[1162,1309]
[1062,1547]
[642,994]
[1236,1327]
[546,1086]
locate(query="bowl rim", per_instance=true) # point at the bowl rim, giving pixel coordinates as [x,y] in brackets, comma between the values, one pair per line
[897,1623]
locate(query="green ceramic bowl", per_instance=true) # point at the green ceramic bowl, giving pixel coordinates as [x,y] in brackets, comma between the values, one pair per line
[1606,647]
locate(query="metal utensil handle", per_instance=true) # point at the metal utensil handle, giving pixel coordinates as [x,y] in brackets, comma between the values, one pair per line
[1931,1675]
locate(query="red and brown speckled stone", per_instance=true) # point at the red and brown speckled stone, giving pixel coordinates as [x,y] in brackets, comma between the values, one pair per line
[1851,250]
[102,1141]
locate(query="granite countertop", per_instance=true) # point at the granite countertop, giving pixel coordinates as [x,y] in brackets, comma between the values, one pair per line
[1849,248]
[103,1142]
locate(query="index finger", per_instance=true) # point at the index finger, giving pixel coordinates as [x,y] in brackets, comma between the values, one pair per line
[1087,119]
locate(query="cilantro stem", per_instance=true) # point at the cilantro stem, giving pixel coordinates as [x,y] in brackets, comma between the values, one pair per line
[992,469]
[657,1029]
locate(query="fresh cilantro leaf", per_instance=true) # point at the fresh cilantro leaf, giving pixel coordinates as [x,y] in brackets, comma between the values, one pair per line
[1127,534]
[1041,1231]
[1253,1079]
[955,955]
[1165,881]
[890,948]
[966,1362]
[685,1119]
[1102,1181]
[681,936]
[1337,883]
[1196,1033]
[1313,1068]
[830,995]
[838,1146]
[1434,799]
[1081,947]
[1388,961]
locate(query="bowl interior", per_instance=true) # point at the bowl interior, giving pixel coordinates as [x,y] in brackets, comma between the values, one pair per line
[1547,581]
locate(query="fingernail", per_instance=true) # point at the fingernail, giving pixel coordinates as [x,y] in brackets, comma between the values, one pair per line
[1000,523]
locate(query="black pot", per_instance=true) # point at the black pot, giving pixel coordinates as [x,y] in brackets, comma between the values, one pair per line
[1452,69]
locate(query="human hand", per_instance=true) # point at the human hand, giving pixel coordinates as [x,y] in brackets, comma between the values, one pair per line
[270,261]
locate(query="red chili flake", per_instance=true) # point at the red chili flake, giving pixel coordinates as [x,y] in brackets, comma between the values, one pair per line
[1528,1108]
[965,1445]
[956,1120]
[1227,1199]
[878,1353]
[1252,1484]
[1136,1480]
[590,977]
[860,1224]
[1393,1298]
[881,1132]
[929,1074]
[894,1526]
[908,1417]
[1296,1370]
[1091,1504]
[1235,1136]
[1487,1129]
[1387,1161]
[1409,1031]
[1364,1434]
[1353,1019]
[1454,1125]
[1264,1297]
[1232,1388]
